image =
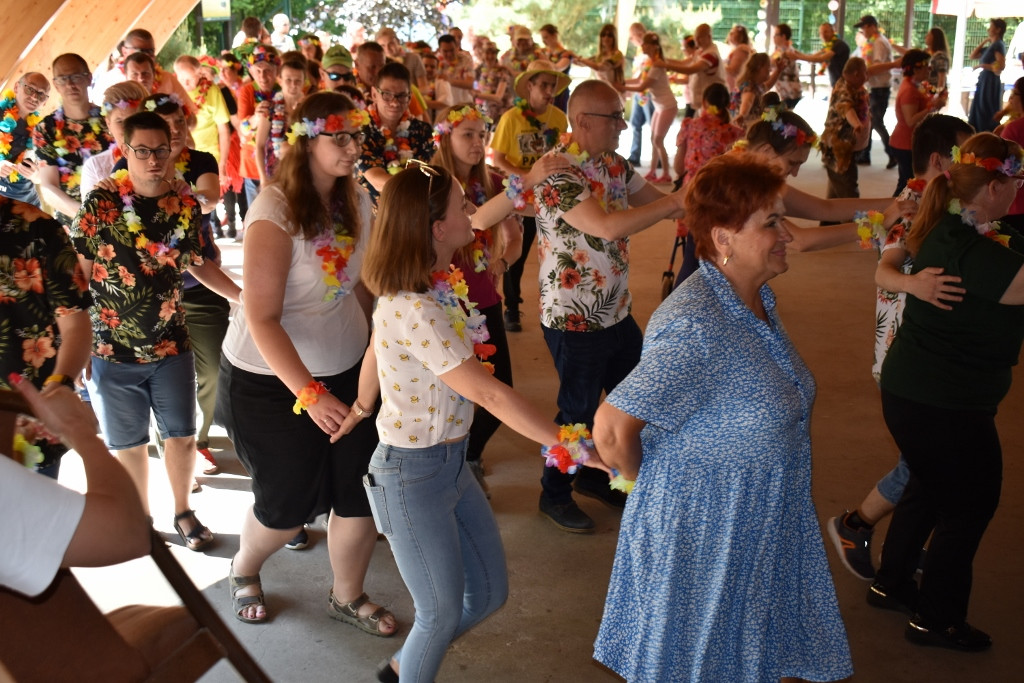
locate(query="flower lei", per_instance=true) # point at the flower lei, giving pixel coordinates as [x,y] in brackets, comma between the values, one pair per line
[108,107]
[788,130]
[126,191]
[870,228]
[85,145]
[611,195]
[481,238]
[826,47]
[308,396]
[550,134]
[990,229]
[1010,166]
[335,123]
[451,293]
[454,120]
[574,448]
[202,88]
[397,150]
[917,185]
[489,77]
[246,133]
[8,124]
[335,248]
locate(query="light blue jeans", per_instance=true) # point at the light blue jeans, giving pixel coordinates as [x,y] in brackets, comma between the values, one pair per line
[892,484]
[446,545]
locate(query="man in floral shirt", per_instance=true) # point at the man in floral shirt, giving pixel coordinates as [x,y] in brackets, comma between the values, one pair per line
[18,116]
[44,327]
[393,136]
[584,219]
[135,241]
[68,136]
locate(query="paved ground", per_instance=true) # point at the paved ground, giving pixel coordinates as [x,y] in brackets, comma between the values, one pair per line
[558,581]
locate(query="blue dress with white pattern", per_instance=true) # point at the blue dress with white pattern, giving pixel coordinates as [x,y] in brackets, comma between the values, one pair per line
[720,572]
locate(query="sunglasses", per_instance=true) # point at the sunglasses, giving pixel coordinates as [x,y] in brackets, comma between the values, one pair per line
[426,170]
[332,76]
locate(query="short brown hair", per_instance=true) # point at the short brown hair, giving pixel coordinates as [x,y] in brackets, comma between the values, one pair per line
[401,251]
[726,192]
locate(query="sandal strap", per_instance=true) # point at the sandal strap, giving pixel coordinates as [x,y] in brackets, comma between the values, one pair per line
[247,600]
[350,608]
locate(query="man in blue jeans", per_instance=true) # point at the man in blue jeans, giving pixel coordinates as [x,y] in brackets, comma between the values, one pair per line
[584,219]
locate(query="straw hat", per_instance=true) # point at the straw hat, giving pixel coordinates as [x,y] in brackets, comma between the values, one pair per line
[540,66]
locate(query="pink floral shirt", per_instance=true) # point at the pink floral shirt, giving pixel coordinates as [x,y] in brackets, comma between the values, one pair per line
[705,137]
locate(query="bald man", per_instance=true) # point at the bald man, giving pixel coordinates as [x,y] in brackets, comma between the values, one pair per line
[16,170]
[585,216]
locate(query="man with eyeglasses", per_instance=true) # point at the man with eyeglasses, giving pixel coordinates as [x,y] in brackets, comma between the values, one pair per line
[68,136]
[134,243]
[393,136]
[19,109]
[523,135]
[585,216]
[337,68]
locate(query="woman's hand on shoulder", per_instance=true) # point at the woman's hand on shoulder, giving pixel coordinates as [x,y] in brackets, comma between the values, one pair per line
[929,284]
[899,208]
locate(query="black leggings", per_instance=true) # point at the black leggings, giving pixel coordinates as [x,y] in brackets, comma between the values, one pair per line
[956,472]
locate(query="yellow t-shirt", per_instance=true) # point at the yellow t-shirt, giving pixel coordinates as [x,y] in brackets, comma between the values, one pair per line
[522,143]
[209,115]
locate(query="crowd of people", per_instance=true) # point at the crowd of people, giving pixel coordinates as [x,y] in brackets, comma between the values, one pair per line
[388,197]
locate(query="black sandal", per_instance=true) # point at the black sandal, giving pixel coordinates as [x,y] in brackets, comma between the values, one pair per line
[199,537]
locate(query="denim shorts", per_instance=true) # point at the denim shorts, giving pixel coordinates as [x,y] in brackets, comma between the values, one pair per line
[124,393]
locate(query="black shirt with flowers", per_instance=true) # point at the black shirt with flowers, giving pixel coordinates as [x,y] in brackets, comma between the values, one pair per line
[40,282]
[138,258]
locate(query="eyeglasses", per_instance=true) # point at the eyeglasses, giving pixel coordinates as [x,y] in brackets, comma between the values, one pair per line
[426,170]
[394,96]
[82,78]
[35,93]
[342,139]
[143,153]
[332,76]
[616,117]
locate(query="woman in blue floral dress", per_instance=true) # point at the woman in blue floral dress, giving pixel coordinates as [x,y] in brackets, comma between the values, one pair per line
[720,572]
[988,96]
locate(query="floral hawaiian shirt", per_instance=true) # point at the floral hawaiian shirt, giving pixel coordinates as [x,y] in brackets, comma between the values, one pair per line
[40,282]
[66,143]
[584,283]
[391,150]
[137,316]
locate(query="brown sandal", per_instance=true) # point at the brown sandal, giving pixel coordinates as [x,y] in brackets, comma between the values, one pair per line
[349,613]
[199,537]
[235,584]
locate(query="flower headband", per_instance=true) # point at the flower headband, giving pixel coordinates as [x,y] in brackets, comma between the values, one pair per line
[335,123]
[788,130]
[1010,166]
[454,120]
[154,102]
[120,104]
[210,62]
[309,40]
[261,54]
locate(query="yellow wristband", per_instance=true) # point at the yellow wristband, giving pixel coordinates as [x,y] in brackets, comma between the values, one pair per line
[66,380]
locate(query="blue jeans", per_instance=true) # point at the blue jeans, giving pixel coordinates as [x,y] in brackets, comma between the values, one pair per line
[446,545]
[23,190]
[892,484]
[587,364]
[252,188]
[641,114]
[878,102]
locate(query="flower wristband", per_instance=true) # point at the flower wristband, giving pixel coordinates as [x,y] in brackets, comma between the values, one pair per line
[517,194]
[572,450]
[870,228]
[308,396]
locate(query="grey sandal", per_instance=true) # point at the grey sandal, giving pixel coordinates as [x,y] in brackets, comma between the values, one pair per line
[236,583]
[349,613]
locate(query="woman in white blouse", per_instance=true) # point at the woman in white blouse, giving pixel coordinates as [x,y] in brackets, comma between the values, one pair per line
[291,362]
[424,497]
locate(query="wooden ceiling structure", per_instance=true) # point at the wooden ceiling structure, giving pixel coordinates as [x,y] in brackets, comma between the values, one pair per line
[44,29]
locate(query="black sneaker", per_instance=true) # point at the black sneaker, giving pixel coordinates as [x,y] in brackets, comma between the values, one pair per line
[512,323]
[300,542]
[853,546]
[567,516]
[600,491]
[965,637]
[893,163]
[881,597]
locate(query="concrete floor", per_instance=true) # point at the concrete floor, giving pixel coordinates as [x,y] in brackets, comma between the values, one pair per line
[545,633]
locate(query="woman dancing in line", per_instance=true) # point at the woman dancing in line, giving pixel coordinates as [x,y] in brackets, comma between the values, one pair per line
[291,363]
[441,529]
